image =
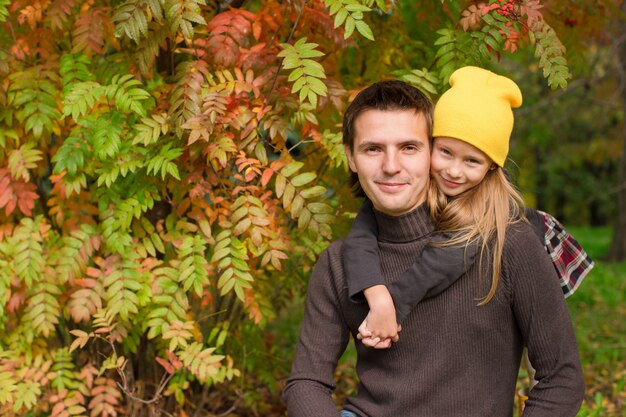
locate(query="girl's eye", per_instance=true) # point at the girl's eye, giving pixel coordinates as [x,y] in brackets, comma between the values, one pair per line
[474,162]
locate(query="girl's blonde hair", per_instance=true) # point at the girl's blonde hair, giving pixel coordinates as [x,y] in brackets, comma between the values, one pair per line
[481,216]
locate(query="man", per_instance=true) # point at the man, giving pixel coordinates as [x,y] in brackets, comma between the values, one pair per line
[454,358]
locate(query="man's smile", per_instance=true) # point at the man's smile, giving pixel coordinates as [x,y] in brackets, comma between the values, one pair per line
[389,186]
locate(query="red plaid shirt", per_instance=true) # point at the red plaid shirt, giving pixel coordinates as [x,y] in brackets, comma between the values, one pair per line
[570,260]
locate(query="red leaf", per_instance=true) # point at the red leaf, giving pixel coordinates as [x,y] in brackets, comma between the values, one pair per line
[178,365]
[16,193]
[165,364]
[267,176]
[250,303]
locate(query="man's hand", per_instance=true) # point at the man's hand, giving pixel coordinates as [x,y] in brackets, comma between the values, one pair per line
[379,328]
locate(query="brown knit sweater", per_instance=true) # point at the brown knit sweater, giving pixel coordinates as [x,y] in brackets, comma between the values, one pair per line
[453,358]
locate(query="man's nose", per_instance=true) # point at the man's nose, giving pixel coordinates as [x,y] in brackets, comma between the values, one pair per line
[391,164]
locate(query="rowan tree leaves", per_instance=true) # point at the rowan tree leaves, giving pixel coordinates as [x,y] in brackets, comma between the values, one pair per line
[105,398]
[91,30]
[350,14]
[307,74]
[34,91]
[68,403]
[16,194]
[4,12]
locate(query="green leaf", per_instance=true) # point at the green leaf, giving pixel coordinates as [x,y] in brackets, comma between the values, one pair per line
[364,30]
[489,19]
[349,28]
[295,74]
[8,385]
[81,98]
[297,86]
[303,179]
[492,42]
[313,68]
[340,18]
[291,169]
[26,395]
[4,12]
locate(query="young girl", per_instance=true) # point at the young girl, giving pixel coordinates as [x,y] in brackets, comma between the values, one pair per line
[472,202]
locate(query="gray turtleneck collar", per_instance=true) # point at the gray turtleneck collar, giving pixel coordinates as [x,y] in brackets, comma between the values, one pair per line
[405,228]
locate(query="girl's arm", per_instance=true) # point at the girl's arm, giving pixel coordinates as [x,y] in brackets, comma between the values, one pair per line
[364,278]
[434,271]
[359,253]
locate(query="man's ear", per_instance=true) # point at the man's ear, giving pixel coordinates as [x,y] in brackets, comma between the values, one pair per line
[350,157]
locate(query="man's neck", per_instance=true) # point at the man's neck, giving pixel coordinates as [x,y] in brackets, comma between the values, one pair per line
[405,228]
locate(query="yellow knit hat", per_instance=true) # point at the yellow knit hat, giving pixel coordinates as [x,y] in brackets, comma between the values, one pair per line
[477,110]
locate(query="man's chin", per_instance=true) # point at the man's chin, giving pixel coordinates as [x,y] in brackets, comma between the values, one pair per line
[393,209]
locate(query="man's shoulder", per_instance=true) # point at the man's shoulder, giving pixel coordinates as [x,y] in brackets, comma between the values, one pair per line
[521,241]
[520,232]
[332,253]
[329,266]
[334,247]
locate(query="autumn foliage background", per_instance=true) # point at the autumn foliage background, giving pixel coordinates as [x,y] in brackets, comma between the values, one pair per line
[170,169]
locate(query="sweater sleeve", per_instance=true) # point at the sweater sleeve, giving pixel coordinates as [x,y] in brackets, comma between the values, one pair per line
[359,252]
[436,269]
[546,328]
[323,338]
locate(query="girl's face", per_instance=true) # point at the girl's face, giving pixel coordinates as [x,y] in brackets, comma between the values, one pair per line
[457,166]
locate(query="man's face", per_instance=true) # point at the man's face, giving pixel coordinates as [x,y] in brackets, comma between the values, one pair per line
[391,157]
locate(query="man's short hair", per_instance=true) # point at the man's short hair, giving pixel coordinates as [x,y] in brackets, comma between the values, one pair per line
[388,95]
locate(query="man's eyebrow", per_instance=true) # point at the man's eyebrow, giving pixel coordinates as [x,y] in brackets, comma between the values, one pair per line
[415,142]
[369,143]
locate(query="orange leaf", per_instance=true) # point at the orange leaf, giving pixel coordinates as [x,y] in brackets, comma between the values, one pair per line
[169,368]
[252,306]
[266,177]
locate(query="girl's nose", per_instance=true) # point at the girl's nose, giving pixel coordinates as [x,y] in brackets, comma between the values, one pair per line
[453,170]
